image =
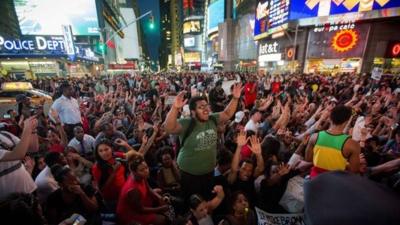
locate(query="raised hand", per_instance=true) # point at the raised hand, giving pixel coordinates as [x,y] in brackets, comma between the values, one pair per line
[283,169]
[219,191]
[180,100]
[144,139]
[255,145]
[30,124]
[237,90]
[241,138]
[120,142]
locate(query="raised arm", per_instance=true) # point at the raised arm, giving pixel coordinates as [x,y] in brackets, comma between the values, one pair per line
[171,124]
[232,106]
[214,203]
[256,149]
[19,152]
[241,141]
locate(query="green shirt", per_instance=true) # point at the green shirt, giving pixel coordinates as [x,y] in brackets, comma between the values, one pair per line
[198,155]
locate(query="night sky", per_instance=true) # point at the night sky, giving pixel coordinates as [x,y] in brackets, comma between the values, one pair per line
[152,36]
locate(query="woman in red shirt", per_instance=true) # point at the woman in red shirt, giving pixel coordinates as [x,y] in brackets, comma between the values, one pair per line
[109,173]
[138,203]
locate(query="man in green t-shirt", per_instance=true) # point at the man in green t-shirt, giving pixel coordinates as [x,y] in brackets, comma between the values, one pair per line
[198,136]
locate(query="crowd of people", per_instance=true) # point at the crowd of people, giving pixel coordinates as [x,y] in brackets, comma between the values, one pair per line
[179,148]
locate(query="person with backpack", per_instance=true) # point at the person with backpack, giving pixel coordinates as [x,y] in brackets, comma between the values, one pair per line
[198,140]
[13,175]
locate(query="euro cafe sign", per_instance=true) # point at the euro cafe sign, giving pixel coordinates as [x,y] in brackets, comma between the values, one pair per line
[32,44]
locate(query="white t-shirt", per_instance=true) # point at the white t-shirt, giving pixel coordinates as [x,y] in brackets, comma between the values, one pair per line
[17,181]
[251,125]
[46,184]
[68,110]
[88,143]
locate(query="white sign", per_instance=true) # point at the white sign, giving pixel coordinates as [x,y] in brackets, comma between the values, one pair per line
[270,58]
[39,43]
[265,218]
[268,48]
[68,39]
[376,73]
[189,42]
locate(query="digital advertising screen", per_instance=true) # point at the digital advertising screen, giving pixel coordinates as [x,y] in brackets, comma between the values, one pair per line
[314,8]
[45,17]
[193,26]
[270,14]
[215,14]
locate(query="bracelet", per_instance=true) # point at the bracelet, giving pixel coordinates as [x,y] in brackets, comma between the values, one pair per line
[58,124]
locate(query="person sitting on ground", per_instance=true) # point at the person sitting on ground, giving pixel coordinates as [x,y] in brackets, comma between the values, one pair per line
[201,210]
[108,172]
[83,143]
[242,174]
[137,201]
[168,174]
[240,212]
[46,184]
[79,165]
[56,136]
[332,150]
[109,132]
[71,198]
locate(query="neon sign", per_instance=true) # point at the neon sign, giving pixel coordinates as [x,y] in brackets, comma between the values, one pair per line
[344,40]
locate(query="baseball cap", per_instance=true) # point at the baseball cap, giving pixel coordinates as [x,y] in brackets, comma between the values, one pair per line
[239,116]
[20,98]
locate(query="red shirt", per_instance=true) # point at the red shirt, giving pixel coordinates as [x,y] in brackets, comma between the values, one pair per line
[56,148]
[249,96]
[275,87]
[126,212]
[245,152]
[111,192]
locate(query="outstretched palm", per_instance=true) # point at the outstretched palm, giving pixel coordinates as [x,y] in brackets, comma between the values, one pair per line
[237,90]
[180,100]
[255,145]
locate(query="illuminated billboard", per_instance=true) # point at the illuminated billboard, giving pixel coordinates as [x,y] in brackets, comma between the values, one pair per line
[270,14]
[315,8]
[215,15]
[193,26]
[192,57]
[46,17]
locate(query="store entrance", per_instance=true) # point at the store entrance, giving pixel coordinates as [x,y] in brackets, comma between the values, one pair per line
[333,66]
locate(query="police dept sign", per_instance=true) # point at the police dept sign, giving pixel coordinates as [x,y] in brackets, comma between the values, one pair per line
[35,43]
[40,46]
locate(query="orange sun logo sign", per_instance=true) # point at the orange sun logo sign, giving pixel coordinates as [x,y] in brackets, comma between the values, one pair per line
[344,40]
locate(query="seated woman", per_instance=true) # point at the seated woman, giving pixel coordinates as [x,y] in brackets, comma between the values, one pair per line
[138,203]
[201,210]
[79,166]
[108,173]
[56,136]
[240,213]
[71,198]
[168,174]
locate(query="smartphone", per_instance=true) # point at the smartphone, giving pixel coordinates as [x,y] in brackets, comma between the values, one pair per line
[7,116]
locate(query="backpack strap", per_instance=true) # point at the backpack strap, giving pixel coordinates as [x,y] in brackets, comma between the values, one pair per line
[5,146]
[188,131]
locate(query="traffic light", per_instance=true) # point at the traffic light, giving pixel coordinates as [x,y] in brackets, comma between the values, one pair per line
[100,47]
[151,22]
